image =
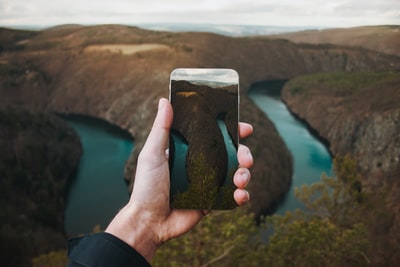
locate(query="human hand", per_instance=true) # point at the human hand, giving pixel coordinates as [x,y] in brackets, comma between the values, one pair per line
[147,220]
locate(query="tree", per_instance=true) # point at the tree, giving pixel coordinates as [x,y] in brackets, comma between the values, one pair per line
[330,232]
[304,240]
[339,198]
[51,259]
[222,238]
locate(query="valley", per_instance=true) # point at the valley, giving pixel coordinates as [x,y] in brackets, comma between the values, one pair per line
[117,73]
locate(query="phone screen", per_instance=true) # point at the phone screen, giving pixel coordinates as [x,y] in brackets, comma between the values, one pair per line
[203,138]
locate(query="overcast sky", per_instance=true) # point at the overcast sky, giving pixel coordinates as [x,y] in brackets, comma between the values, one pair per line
[317,13]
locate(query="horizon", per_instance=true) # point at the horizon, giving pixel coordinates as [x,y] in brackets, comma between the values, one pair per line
[265,13]
[235,30]
[187,25]
[166,25]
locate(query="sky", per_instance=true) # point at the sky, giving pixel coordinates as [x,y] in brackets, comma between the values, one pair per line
[290,13]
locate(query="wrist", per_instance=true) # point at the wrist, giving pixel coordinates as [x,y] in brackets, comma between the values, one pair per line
[130,228]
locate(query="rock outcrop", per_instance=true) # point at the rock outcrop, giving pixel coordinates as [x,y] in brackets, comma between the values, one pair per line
[358,114]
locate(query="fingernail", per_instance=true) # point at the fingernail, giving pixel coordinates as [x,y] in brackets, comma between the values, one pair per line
[245,197]
[160,104]
[248,153]
[245,177]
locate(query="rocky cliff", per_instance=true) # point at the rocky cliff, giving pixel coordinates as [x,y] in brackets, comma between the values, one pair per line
[358,114]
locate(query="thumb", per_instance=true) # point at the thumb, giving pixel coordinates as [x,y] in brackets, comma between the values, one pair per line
[157,140]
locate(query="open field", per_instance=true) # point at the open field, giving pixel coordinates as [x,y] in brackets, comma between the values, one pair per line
[125,49]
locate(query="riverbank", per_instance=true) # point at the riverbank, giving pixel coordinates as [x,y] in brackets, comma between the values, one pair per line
[311,157]
[98,190]
[357,113]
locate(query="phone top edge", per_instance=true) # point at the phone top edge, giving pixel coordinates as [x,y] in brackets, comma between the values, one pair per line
[199,70]
[180,69]
[215,74]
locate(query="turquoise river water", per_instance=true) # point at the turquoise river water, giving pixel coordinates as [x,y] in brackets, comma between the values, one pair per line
[98,190]
[311,157]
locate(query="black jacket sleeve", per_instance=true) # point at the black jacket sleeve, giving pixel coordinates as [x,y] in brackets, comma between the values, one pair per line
[103,249]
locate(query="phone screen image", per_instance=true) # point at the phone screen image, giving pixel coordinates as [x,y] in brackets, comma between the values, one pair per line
[203,138]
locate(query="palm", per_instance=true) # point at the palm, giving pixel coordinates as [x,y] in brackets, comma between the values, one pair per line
[151,189]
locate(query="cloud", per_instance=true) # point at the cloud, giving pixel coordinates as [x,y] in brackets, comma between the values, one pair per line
[389,9]
[256,12]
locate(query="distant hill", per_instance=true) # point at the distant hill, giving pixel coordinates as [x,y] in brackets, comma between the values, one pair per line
[10,39]
[228,30]
[64,27]
[384,39]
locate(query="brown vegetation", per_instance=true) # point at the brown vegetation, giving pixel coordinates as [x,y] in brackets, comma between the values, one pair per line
[125,49]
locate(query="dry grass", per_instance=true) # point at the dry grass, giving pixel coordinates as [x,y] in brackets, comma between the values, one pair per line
[385,39]
[126,49]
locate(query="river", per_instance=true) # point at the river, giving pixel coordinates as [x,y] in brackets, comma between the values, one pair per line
[311,157]
[98,191]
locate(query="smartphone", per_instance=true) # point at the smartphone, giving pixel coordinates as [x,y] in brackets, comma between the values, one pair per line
[203,138]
